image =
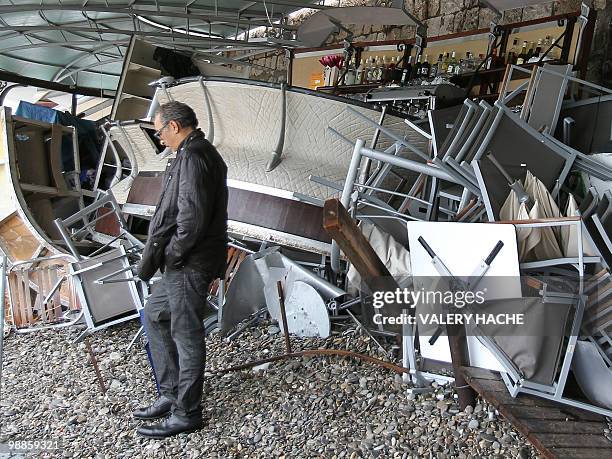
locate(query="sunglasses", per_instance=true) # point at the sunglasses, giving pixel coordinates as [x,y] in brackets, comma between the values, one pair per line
[157,133]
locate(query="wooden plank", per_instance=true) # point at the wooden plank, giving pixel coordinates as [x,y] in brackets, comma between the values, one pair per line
[564,427]
[38,279]
[481,373]
[107,225]
[537,411]
[529,407]
[55,306]
[55,157]
[49,190]
[556,430]
[578,453]
[14,294]
[338,223]
[572,440]
[20,298]
[495,392]
[146,189]
[273,212]
[27,295]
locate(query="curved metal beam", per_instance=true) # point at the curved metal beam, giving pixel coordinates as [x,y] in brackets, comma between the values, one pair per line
[62,44]
[141,33]
[79,58]
[73,45]
[129,12]
[88,67]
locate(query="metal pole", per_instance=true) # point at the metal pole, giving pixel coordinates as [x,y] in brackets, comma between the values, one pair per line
[365,173]
[349,182]
[73,110]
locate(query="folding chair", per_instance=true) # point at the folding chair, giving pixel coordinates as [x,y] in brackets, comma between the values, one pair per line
[105,284]
[543,101]
[600,228]
[517,147]
[47,282]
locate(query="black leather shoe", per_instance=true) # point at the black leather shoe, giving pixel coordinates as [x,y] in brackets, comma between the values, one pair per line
[169,427]
[159,409]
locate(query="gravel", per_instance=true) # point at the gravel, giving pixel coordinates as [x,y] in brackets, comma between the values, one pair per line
[310,407]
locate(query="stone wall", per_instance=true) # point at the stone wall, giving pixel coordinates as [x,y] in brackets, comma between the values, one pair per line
[442,17]
[600,61]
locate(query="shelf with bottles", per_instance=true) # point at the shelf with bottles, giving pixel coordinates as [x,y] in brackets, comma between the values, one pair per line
[452,59]
[384,72]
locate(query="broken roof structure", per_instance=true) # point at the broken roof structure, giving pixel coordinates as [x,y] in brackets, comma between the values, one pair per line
[333,202]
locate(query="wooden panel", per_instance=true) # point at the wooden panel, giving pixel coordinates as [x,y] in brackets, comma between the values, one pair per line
[572,440]
[54,306]
[259,209]
[107,225]
[15,299]
[39,279]
[19,242]
[293,217]
[563,427]
[556,430]
[577,453]
[55,157]
[30,156]
[145,190]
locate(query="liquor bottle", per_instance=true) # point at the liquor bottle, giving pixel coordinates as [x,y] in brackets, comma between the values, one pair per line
[416,69]
[349,78]
[480,60]
[492,60]
[444,67]
[469,63]
[359,73]
[407,72]
[512,53]
[367,71]
[396,71]
[435,68]
[535,56]
[546,45]
[452,63]
[464,64]
[530,51]
[425,67]
[386,70]
[521,59]
[374,67]
[555,52]
[379,70]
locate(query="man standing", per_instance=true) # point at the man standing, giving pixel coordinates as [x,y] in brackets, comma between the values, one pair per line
[188,242]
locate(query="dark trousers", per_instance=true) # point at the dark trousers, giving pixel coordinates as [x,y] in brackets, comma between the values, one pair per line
[173,321]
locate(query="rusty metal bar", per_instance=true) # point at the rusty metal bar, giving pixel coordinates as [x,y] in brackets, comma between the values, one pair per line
[281,300]
[94,362]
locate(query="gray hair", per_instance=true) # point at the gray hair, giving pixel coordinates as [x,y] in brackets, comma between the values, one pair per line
[182,113]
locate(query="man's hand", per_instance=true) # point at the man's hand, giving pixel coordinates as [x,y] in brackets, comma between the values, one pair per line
[146,270]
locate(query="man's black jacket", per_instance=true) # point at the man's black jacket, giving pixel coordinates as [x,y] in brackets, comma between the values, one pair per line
[189,227]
